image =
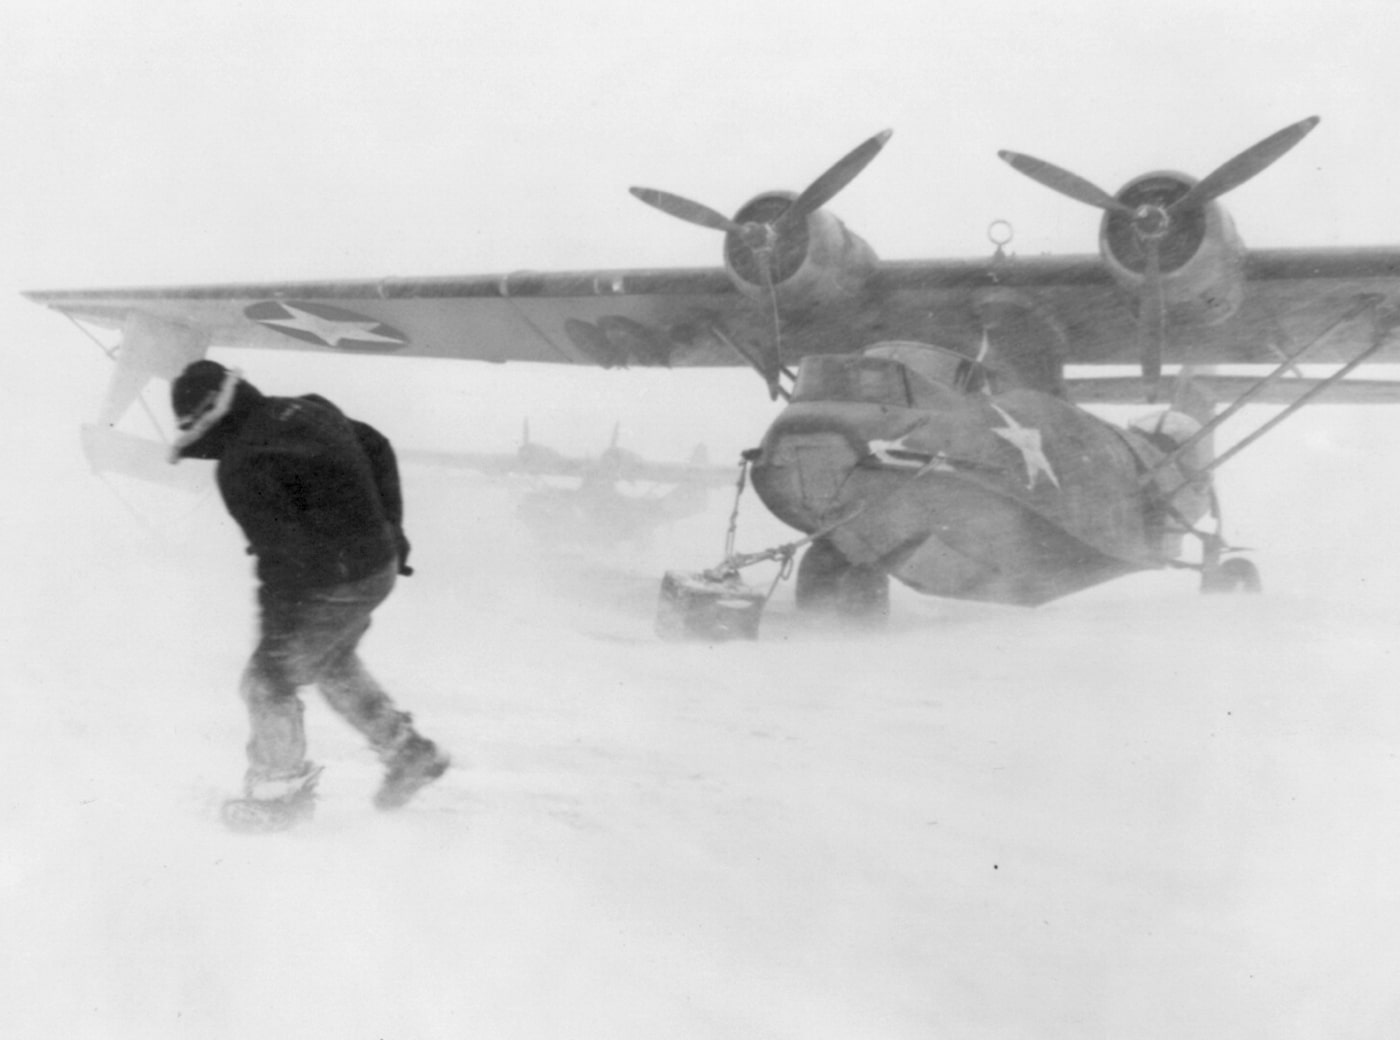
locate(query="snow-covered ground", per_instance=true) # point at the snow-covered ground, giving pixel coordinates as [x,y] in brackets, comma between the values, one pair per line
[1134,813]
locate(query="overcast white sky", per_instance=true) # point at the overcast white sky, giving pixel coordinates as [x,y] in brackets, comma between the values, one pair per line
[188,141]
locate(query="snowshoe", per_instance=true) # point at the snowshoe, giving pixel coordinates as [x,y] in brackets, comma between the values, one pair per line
[415,765]
[256,813]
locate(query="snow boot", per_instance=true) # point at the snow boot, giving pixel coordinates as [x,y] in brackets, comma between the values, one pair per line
[273,805]
[416,763]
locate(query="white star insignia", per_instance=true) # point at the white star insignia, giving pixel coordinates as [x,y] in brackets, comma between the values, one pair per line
[895,453]
[331,331]
[1027,441]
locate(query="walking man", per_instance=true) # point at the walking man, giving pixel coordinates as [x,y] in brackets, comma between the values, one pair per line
[317,496]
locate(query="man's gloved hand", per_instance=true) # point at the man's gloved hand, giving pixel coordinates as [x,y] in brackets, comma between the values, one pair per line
[404,548]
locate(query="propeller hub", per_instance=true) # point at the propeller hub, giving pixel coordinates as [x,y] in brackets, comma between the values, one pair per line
[1151,221]
[758,246]
[755,235]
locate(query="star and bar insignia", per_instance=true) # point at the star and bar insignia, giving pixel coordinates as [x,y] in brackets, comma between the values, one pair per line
[897,454]
[327,326]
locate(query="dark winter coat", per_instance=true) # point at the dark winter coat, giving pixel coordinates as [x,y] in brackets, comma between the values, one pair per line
[317,494]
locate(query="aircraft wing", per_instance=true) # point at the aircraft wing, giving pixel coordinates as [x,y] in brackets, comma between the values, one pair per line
[700,474]
[1225,388]
[642,317]
[695,316]
[548,463]
[497,465]
[1291,297]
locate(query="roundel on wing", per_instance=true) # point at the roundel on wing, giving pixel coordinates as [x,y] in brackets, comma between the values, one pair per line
[326,326]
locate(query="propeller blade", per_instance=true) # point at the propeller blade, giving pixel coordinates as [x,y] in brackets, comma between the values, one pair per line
[684,209]
[842,172]
[1247,164]
[1066,183]
[1152,330]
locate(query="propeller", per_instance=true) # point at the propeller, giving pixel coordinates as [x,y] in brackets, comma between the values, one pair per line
[1247,164]
[1152,222]
[685,209]
[834,180]
[757,234]
[763,237]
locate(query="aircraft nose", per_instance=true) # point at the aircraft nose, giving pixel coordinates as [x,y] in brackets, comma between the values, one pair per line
[802,475]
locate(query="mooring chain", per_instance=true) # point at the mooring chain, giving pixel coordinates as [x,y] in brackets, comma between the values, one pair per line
[788,554]
[785,554]
[739,486]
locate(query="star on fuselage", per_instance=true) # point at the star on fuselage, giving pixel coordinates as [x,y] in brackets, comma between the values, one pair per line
[1027,441]
[898,454]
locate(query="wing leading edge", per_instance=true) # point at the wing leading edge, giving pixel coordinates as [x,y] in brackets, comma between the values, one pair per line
[696,316]
[517,317]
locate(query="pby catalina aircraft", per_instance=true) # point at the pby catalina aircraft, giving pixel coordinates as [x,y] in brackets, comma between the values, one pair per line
[616,496]
[929,432]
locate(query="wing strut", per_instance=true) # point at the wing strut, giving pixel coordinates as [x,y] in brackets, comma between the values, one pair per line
[1366,303]
[771,373]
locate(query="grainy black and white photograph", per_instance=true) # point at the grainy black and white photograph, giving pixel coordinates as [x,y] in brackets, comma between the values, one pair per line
[779,520]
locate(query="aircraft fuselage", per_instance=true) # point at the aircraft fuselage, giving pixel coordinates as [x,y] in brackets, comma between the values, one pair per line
[1017,497]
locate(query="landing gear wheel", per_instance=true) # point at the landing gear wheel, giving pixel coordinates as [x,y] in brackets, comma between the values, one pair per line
[1236,575]
[828,582]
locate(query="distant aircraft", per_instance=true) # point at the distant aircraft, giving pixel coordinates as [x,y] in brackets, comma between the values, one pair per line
[617,496]
[929,431]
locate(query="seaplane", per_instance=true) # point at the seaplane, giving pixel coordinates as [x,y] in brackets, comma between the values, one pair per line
[935,418]
[611,498]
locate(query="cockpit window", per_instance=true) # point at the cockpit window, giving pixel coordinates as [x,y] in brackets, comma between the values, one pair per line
[855,378]
[898,374]
[937,364]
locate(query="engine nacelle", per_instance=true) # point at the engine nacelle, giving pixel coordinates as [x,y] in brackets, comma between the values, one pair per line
[1201,256]
[816,259]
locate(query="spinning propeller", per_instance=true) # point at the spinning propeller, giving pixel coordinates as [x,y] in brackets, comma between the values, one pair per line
[763,238]
[1151,222]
